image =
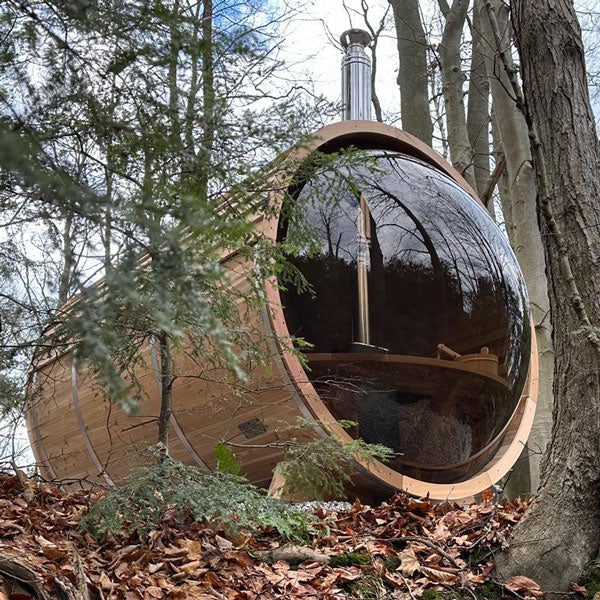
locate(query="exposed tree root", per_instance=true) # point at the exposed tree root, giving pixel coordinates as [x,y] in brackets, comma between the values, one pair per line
[291,554]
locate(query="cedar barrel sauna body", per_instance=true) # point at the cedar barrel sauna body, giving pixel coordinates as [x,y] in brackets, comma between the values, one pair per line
[419,325]
[439,273]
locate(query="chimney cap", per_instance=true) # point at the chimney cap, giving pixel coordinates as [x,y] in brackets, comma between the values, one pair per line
[355,36]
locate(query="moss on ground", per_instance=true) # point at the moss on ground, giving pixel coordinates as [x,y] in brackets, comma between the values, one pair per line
[488,591]
[432,594]
[348,559]
[484,591]
[391,563]
[591,578]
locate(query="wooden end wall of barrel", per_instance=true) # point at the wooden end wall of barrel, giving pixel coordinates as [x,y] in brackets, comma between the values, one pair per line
[78,434]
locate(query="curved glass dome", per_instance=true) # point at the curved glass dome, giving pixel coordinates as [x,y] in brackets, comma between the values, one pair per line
[417,312]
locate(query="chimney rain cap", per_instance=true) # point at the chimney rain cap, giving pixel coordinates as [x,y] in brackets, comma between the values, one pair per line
[355,36]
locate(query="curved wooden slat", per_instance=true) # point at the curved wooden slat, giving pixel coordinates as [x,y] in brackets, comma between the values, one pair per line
[43,460]
[82,428]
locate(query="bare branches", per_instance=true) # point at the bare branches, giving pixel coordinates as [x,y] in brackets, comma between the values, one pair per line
[375,34]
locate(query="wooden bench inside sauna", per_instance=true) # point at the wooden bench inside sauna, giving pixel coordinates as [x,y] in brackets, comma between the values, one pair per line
[417,319]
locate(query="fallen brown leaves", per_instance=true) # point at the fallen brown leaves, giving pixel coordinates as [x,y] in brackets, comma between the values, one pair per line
[412,544]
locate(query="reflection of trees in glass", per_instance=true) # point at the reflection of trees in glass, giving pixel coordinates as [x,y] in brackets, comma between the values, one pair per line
[439,272]
[442,224]
[439,269]
[325,317]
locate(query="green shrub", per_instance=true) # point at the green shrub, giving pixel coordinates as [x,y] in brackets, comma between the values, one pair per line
[223,499]
[321,468]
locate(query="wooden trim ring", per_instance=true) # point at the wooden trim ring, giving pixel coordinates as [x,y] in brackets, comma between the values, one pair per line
[371,134]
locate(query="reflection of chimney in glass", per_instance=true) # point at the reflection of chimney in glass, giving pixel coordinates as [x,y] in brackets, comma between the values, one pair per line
[363,231]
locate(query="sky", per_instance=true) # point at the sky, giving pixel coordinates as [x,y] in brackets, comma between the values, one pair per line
[310,47]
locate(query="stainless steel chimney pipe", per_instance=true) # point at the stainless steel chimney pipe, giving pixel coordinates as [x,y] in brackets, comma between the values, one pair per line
[356,75]
[356,104]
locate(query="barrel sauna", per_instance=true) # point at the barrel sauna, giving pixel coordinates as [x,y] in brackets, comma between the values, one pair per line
[419,328]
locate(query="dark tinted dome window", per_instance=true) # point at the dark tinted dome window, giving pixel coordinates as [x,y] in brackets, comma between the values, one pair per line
[418,312]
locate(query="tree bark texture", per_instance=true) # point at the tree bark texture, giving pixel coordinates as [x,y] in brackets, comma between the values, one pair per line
[166,385]
[412,72]
[68,260]
[478,112]
[525,238]
[208,97]
[560,532]
[453,79]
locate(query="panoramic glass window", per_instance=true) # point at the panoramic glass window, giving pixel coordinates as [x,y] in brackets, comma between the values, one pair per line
[417,312]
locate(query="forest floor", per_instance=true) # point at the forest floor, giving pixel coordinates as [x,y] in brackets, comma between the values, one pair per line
[402,549]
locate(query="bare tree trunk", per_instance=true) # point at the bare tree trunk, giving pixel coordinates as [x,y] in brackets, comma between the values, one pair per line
[107,228]
[478,108]
[208,96]
[166,381]
[68,260]
[525,238]
[560,533]
[412,72]
[503,191]
[437,102]
[173,89]
[161,337]
[452,84]
[190,109]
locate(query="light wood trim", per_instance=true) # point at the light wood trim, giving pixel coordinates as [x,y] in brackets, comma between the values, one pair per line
[82,428]
[406,359]
[31,420]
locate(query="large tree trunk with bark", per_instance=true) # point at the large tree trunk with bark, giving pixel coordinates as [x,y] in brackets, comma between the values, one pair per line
[453,79]
[412,74]
[560,532]
[525,234]
[478,107]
